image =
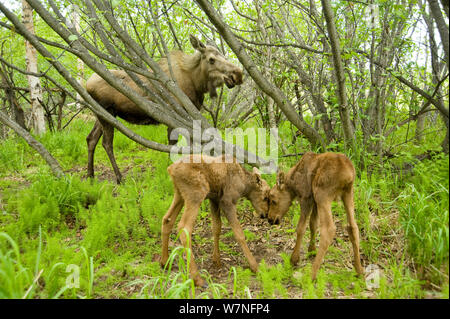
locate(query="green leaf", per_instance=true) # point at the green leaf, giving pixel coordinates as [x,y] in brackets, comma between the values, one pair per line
[73,37]
[115,3]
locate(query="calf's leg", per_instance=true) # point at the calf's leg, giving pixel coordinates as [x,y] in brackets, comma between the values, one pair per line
[313,224]
[305,211]
[185,228]
[229,208]
[216,228]
[167,224]
[327,232]
[352,228]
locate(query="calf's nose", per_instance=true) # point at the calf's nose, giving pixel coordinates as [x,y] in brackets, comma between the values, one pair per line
[274,221]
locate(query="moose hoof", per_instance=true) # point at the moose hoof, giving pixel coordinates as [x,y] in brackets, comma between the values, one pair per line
[294,260]
[217,263]
[360,271]
[199,282]
[254,268]
[311,249]
[162,262]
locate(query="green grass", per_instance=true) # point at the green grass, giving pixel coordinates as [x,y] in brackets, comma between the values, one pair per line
[53,231]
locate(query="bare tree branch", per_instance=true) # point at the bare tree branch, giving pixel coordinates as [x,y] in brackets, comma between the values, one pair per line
[32,142]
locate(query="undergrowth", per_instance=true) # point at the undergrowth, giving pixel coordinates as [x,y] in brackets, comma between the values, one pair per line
[78,238]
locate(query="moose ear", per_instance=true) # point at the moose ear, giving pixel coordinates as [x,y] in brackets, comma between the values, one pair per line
[197,44]
[257,175]
[281,178]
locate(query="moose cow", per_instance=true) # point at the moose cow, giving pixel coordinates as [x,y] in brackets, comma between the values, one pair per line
[317,180]
[195,74]
[221,180]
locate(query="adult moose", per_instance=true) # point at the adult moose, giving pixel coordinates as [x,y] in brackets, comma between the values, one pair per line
[195,74]
[317,180]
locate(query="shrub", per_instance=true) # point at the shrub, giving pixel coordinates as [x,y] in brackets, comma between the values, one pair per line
[424,212]
[49,198]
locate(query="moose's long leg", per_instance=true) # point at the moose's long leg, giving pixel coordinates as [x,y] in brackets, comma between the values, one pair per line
[352,228]
[108,138]
[327,231]
[229,209]
[167,224]
[92,140]
[305,211]
[216,228]
[313,224]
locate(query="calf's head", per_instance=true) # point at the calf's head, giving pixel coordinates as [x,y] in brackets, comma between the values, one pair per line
[215,67]
[259,193]
[280,199]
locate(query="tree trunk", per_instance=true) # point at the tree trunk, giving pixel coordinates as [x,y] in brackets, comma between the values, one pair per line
[80,63]
[16,109]
[340,75]
[37,111]
[441,25]
[444,4]
[271,113]
[437,66]
[444,143]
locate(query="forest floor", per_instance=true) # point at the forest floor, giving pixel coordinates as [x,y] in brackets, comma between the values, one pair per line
[112,232]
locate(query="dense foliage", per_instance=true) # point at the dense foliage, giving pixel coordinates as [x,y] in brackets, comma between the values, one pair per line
[395,88]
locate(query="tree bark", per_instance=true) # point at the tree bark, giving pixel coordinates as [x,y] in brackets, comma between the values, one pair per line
[437,66]
[340,75]
[441,25]
[80,63]
[37,111]
[16,109]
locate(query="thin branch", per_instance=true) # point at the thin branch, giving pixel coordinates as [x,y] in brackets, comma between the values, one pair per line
[32,142]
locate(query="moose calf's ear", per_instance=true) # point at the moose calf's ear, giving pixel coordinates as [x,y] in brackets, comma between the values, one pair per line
[257,175]
[196,43]
[280,178]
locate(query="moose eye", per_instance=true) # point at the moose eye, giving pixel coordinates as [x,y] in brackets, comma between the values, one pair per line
[273,202]
[266,199]
[211,60]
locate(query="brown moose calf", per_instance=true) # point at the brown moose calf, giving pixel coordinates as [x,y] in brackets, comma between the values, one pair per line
[223,183]
[317,180]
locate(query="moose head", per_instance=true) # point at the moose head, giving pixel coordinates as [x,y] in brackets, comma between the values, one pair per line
[214,68]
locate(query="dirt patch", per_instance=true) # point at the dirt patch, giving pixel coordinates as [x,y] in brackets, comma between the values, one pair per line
[258,244]
[105,172]
[269,242]
[266,243]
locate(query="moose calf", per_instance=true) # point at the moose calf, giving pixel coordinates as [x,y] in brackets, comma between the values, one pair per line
[223,181]
[317,180]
